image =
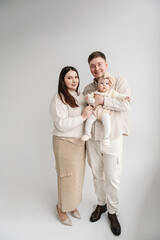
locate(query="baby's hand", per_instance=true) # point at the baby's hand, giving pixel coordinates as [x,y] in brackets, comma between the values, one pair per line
[128,98]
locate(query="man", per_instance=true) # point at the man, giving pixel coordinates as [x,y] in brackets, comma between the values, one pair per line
[106,161]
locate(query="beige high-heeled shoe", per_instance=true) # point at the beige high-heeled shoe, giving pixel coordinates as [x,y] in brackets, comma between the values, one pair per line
[76,214]
[66,222]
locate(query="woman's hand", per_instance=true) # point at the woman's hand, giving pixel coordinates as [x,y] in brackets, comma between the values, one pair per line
[87,112]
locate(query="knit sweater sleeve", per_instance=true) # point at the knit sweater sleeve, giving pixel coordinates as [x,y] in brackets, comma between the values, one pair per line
[116,104]
[60,116]
[117,95]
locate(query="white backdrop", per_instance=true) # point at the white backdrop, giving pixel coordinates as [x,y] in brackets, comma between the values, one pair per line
[37,39]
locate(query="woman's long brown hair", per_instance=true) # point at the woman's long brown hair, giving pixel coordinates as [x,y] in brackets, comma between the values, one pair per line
[63,92]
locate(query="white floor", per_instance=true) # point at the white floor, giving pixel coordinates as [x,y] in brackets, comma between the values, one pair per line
[27,212]
[37,39]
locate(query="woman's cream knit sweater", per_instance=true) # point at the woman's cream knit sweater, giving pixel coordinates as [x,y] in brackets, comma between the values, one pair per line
[67,121]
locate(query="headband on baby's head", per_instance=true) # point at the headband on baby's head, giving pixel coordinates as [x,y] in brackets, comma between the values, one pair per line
[108,76]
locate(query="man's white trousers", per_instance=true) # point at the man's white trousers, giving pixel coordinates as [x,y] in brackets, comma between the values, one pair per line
[106,165]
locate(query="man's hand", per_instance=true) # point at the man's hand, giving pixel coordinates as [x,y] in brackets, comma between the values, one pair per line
[99,100]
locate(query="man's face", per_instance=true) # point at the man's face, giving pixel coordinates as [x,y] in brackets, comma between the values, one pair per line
[97,67]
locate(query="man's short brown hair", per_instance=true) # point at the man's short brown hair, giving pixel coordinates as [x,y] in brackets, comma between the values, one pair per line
[95,55]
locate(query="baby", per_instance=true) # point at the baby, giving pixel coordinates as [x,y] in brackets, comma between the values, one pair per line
[101,113]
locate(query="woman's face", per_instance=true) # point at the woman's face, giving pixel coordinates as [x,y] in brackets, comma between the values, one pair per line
[71,80]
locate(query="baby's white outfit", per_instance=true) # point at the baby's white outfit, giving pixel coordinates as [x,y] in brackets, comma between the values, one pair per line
[103,114]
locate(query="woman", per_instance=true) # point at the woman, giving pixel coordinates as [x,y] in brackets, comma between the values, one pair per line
[68,114]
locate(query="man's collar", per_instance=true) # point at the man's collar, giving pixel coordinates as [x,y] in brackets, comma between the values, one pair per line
[95,81]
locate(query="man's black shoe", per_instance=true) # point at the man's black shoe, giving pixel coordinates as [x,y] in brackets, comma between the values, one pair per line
[114,224]
[96,215]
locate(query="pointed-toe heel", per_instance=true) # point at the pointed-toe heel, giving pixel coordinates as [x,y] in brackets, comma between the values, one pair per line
[76,214]
[66,222]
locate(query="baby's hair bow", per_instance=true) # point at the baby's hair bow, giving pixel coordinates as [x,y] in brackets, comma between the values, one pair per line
[109,77]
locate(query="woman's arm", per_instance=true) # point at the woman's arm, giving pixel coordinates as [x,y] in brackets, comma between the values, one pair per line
[59,114]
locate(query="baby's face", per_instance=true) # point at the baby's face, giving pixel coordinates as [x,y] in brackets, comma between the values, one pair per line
[104,85]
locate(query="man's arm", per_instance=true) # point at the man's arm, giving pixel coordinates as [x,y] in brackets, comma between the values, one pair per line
[116,105]
[122,87]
